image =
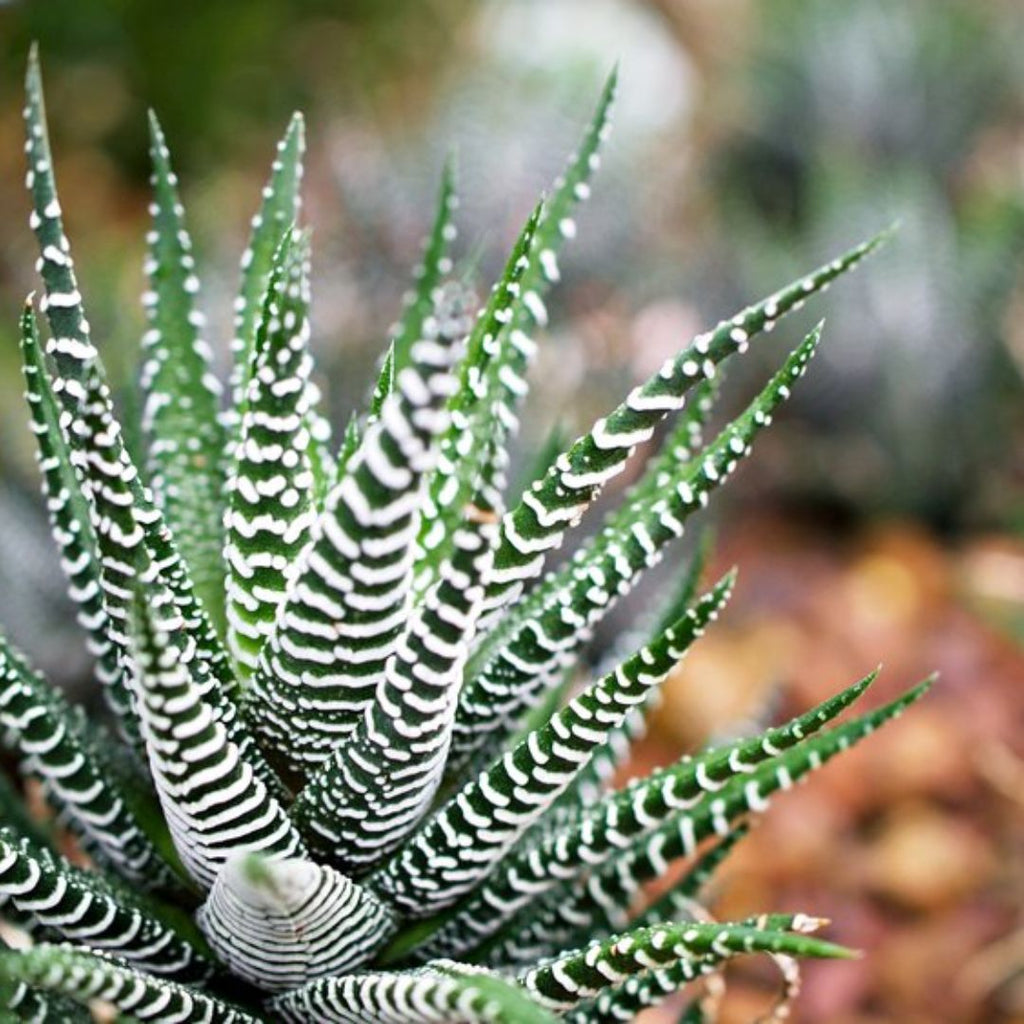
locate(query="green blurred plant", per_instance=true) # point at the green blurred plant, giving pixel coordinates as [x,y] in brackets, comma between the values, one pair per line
[906,109]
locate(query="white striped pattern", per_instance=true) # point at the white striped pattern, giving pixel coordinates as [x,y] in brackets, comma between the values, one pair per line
[282,923]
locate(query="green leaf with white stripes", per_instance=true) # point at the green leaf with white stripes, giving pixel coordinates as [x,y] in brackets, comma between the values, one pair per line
[485,410]
[272,486]
[430,273]
[431,873]
[493,702]
[86,977]
[345,613]
[82,907]
[279,210]
[182,395]
[213,797]
[51,741]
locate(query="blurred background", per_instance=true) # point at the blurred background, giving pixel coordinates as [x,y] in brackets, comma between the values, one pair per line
[882,518]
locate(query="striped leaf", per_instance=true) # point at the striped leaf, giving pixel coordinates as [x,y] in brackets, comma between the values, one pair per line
[551,506]
[564,923]
[85,976]
[431,872]
[623,1001]
[214,801]
[80,907]
[271,489]
[462,446]
[182,395]
[638,844]
[646,858]
[384,386]
[374,788]
[49,737]
[682,444]
[494,381]
[280,924]
[494,701]
[346,610]
[278,211]
[130,531]
[430,272]
[445,992]
[568,979]
[590,783]
[70,520]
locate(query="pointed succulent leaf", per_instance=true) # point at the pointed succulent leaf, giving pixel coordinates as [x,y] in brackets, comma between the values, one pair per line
[462,447]
[384,386]
[493,702]
[492,812]
[346,610]
[271,484]
[214,801]
[639,992]
[688,781]
[46,733]
[70,521]
[130,531]
[623,1001]
[486,409]
[631,864]
[376,786]
[566,980]
[182,394]
[430,273]
[590,784]
[79,907]
[683,443]
[86,976]
[551,506]
[298,920]
[559,921]
[618,832]
[74,355]
[570,189]
[278,211]
[439,993]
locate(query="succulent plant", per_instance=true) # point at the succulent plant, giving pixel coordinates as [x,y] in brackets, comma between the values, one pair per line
[349,773]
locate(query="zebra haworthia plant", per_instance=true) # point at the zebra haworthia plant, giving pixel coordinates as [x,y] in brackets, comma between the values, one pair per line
[349,772]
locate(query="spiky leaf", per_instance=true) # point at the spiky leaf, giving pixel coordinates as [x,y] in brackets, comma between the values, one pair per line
[278,211]
[213,799]
[182,394]
[495,809]
[272,487]
[346,610]
[493,702]
[79,907]
[85,977]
